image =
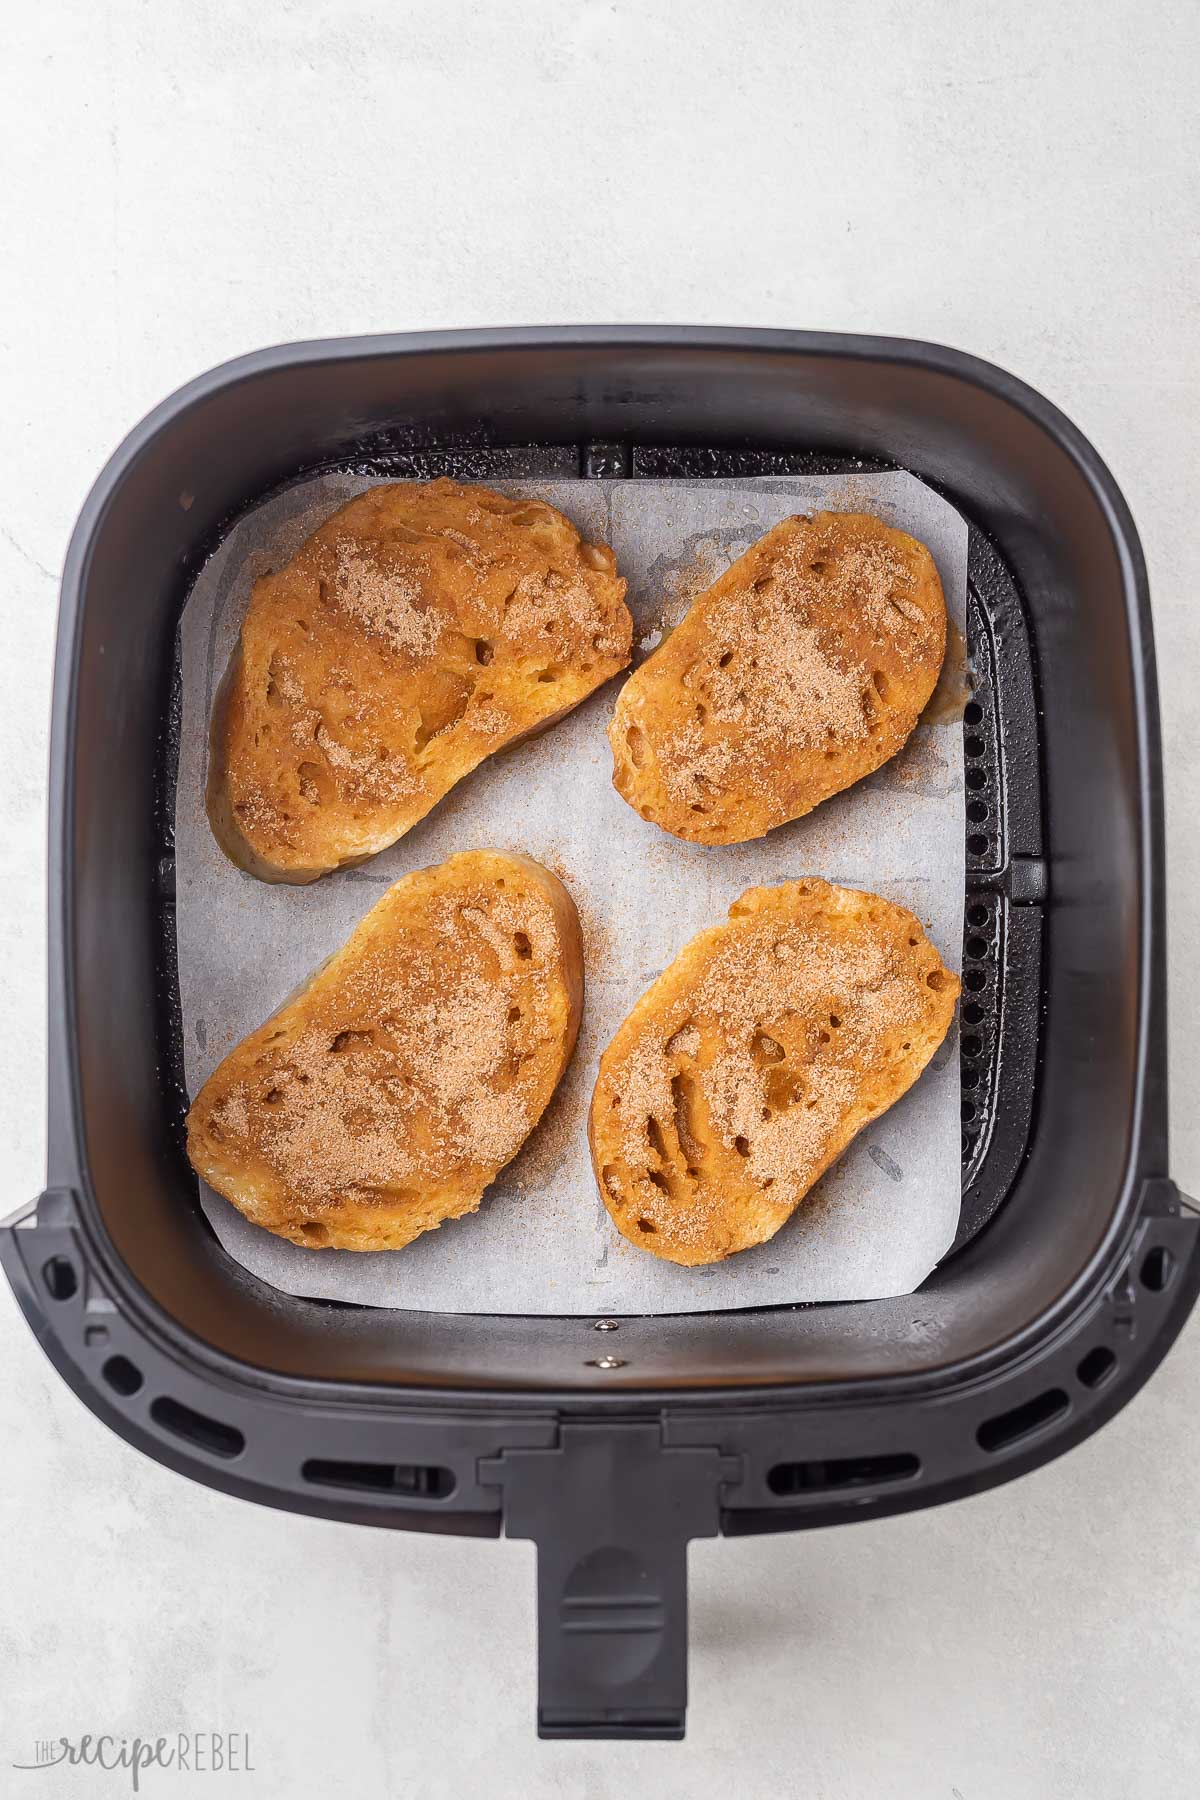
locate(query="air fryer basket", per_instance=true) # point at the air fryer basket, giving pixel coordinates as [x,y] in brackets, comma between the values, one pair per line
[613,1442]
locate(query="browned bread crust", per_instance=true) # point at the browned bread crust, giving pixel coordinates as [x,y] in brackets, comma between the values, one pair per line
[388,1093]
[801,670]
[751,1063]
[423,627]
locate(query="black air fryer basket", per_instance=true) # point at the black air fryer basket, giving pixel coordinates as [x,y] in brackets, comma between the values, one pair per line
[612,1442]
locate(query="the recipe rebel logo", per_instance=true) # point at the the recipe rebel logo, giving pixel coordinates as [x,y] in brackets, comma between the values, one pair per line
[193,1752]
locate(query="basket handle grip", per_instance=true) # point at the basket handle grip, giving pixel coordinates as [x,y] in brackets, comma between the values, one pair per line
[611,1510]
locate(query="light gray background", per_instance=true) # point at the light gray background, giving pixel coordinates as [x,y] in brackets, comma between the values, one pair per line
[184,181]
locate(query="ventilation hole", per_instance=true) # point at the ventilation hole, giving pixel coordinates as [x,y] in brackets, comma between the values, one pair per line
[647,1226]
[122,1376]
[968,1111]
[842,1472]
[973,1013]
[1009,1428]
[936,979]
[976,778]
[975,979]
[1157,1268]
[94,1336]
[977,916]
[970,1078]
[483,651]
[972,1046]
[522,945]
[973,713]
[879,682]
[742,1146]
[424,1481]
[1097,1366]
[636,744]
[976,948]
[977,843]
[978,811]
[60,1278]
[197,1428]
[973,746]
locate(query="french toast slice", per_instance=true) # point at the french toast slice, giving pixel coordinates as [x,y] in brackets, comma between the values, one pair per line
[746,1069]
[386,1095]
[799,671]
[421,628]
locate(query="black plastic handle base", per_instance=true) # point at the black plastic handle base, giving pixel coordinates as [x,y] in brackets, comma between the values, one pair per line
[611,1509]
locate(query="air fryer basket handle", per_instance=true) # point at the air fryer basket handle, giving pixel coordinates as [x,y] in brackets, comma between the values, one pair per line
[611,1510]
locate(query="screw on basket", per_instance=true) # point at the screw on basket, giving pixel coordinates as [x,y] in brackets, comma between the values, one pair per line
[606,1362]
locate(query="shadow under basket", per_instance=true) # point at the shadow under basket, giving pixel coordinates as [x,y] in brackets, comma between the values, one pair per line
[612,1442]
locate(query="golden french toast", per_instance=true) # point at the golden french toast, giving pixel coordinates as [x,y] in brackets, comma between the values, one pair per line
[423,627]
[802,669]
[751,1063]
[387,1094]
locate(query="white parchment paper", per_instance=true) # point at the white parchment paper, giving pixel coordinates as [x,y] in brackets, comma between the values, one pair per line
[542,1242]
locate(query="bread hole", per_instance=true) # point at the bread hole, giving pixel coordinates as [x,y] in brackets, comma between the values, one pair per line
[636,744]
[351,1040]
[514,1013]
[484,651]
[659,1181]
[880,683]
[765,1049]
[322,593]
[742,1145]
[683,1100]
[834,1020]
[701,713]
[648,1226]
[658,1142]
[273,1097]
[784,1088]
[522,945]
[442,706]
[547,675]
[696,807]
[823,1037]
[316,1234]
[724,661]
[215,1132]
[263,736]
[936,979]
[684,1042]
[309,777]
[818,568]
[831,756]
[764,584]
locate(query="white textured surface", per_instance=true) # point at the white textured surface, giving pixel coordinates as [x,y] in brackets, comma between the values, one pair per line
[184,182]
